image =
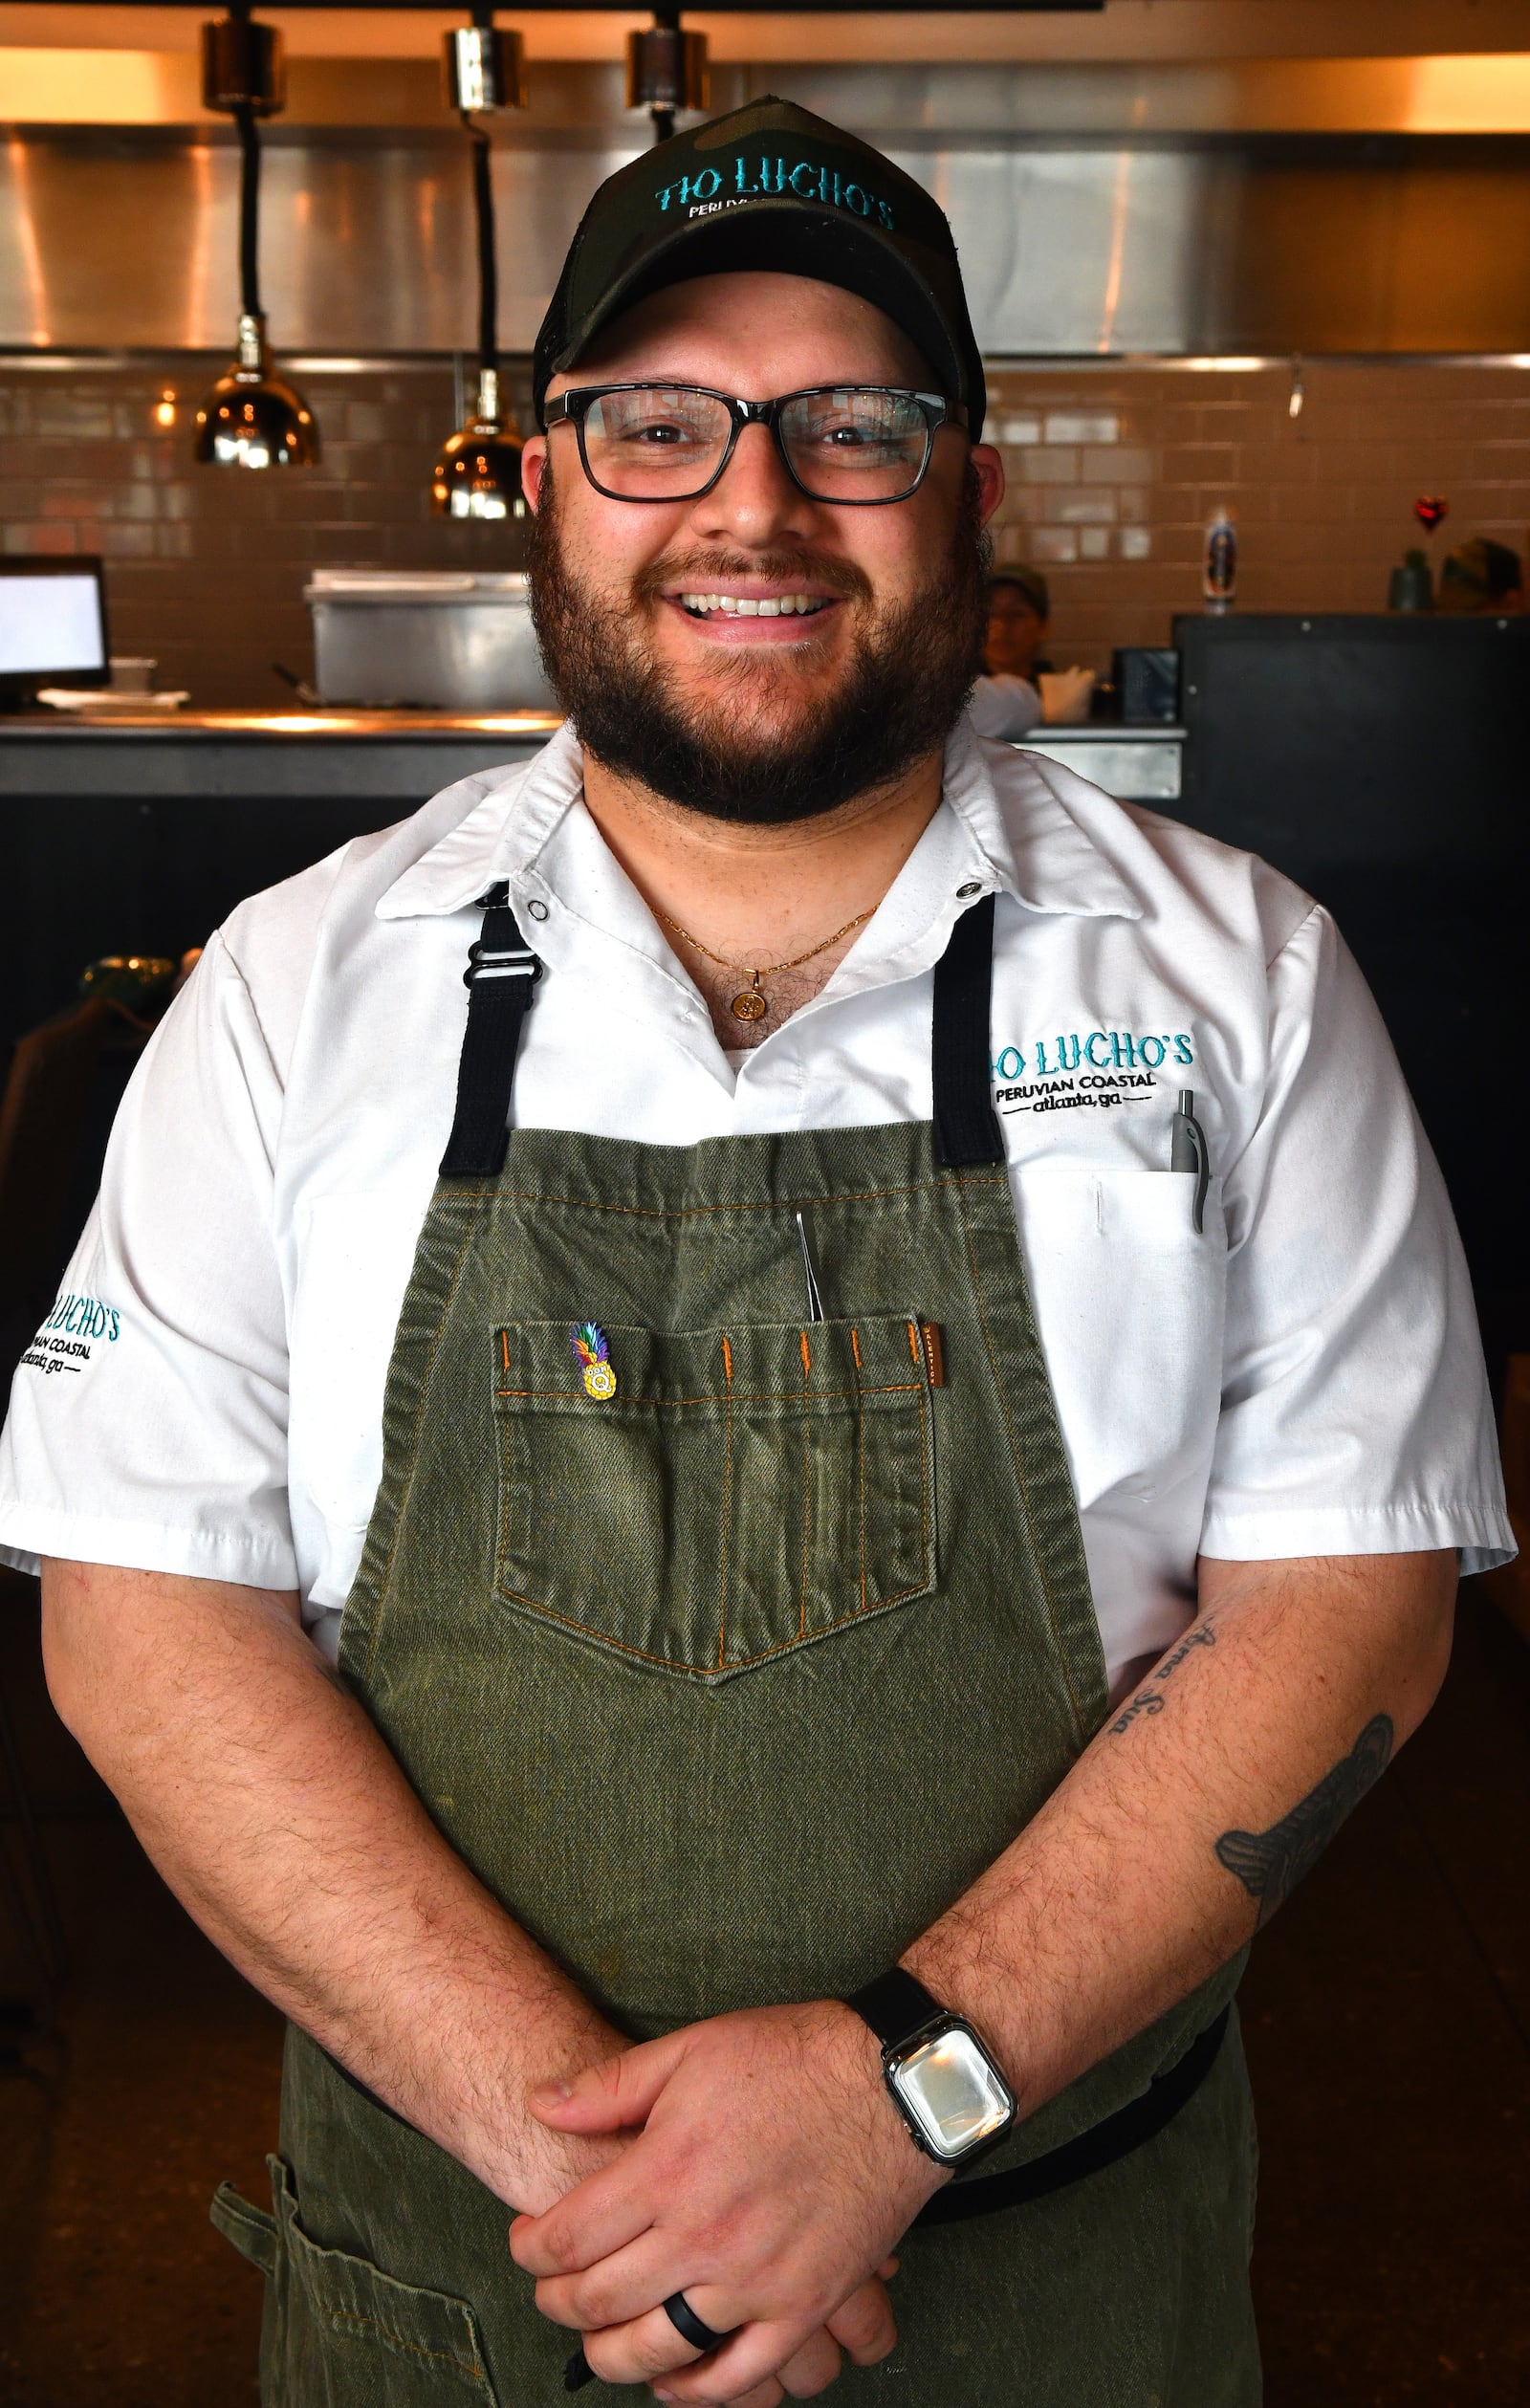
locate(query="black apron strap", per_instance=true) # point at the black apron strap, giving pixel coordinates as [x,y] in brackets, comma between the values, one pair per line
[966,1129]
[502,970]
[500,974]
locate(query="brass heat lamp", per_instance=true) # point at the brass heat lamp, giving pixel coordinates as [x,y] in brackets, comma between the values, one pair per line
[253,418]
[478,473]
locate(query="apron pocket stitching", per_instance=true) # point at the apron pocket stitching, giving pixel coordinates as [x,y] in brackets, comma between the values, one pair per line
[726,1513]
[640,1478]
[350,2294]
[397,2340]
[741,1663]
[400,1499]
[807,1492]
[710,1212]
[926,1436]
[1043,1570]
[716,1396]
[861,1478]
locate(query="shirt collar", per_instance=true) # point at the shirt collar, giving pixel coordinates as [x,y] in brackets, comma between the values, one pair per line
[1010,821]
[511,815]
[1031,822]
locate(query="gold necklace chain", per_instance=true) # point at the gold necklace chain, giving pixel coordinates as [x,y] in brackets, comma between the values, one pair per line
[753,1003]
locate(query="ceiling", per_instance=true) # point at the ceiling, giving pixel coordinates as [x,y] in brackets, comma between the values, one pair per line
[1197,32]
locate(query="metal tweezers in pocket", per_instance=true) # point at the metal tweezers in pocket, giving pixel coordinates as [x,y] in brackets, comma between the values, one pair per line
[744,1491]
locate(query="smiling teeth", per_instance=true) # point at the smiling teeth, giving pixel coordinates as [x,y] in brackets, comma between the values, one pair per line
[743,606]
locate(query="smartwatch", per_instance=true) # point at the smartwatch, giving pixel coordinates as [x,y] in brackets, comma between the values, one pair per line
[939,2076]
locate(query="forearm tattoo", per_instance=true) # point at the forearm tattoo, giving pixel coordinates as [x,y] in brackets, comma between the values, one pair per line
[1271,1863]
[1149,1701]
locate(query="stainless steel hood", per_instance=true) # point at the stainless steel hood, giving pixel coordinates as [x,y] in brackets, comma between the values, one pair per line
[1090,242]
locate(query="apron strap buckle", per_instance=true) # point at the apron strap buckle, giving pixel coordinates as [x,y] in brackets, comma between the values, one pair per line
[495,961]
[501,975]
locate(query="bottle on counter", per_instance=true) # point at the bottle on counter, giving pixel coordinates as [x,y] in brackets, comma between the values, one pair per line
[1219,572]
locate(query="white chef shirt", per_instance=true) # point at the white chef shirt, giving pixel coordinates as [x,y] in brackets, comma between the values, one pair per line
[1302,1377]
[1005,707]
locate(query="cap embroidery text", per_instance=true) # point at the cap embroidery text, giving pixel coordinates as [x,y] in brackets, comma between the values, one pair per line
[809,183]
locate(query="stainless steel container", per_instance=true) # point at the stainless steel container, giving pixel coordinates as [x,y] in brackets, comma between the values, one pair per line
[444,639]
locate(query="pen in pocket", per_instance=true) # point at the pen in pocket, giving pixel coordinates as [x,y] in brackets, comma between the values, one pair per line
[810,1270]
[1187,1151]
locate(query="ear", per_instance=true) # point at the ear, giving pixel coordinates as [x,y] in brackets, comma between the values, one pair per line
[988,470]
[533,469]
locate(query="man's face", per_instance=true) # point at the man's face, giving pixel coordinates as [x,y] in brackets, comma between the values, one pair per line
[773,716]
[1015,634]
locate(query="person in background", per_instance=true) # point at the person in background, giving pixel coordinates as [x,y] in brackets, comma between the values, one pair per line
[1021,689]
[1019,621]
[1481,575]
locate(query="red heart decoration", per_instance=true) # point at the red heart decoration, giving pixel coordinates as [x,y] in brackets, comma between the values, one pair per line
[1429,509]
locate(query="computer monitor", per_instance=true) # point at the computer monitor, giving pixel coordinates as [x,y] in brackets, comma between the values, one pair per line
[52,624]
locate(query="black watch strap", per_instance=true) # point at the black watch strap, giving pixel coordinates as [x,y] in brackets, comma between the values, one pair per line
[895,2005]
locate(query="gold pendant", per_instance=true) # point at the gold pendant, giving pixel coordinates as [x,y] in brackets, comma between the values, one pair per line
[750,1005]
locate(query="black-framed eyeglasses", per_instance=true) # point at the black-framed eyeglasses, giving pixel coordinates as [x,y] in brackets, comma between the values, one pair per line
[853,444]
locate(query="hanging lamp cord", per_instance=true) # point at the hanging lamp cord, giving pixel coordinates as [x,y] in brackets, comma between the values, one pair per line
[483,195]
[665,21]
[244,116]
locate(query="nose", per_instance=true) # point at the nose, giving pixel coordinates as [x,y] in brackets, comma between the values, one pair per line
[753,502]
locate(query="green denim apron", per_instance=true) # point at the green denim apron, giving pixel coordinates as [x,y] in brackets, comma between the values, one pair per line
[727,1684]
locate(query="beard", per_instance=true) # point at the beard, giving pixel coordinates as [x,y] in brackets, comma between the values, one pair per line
[769,745]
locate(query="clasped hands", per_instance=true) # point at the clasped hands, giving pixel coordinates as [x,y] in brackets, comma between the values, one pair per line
[767,2177]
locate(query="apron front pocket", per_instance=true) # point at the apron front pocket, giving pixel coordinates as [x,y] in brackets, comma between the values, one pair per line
[338,2331]
[718,1495]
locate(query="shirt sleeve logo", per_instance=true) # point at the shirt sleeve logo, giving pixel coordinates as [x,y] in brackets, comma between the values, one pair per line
[73,1333]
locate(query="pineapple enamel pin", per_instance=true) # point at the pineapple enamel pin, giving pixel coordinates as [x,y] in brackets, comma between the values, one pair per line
[594,1357]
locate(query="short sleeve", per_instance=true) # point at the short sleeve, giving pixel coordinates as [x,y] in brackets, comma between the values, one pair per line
[1356,1416]
[148,1417]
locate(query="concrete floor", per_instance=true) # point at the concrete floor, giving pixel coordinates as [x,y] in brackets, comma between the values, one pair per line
[1388,2014]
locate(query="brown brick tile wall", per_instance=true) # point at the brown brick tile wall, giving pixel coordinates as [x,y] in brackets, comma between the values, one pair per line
[1113,476]
[206,567]
[1115,511]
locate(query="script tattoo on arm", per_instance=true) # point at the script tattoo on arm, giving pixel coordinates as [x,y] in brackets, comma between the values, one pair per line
[1271,1863]
[1149,1701]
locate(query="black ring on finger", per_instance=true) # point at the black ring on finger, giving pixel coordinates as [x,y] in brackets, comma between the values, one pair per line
[688,2325]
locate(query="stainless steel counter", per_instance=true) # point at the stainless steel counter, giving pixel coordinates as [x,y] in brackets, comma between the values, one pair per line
[394,759]
[1135,764]
[404,756]
[537,724]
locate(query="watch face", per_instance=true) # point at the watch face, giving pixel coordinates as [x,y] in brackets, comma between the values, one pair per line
[955,2096]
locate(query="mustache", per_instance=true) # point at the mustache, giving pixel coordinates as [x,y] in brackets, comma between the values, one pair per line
[697,571]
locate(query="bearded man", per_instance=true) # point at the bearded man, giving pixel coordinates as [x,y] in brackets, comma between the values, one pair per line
[744,1658]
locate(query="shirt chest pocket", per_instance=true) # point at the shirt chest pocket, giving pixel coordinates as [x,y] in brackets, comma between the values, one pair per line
[737,1493]
[1130,1299]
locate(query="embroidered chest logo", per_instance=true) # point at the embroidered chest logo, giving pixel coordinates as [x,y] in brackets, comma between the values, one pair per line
[594,1357]
[1083,1069]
